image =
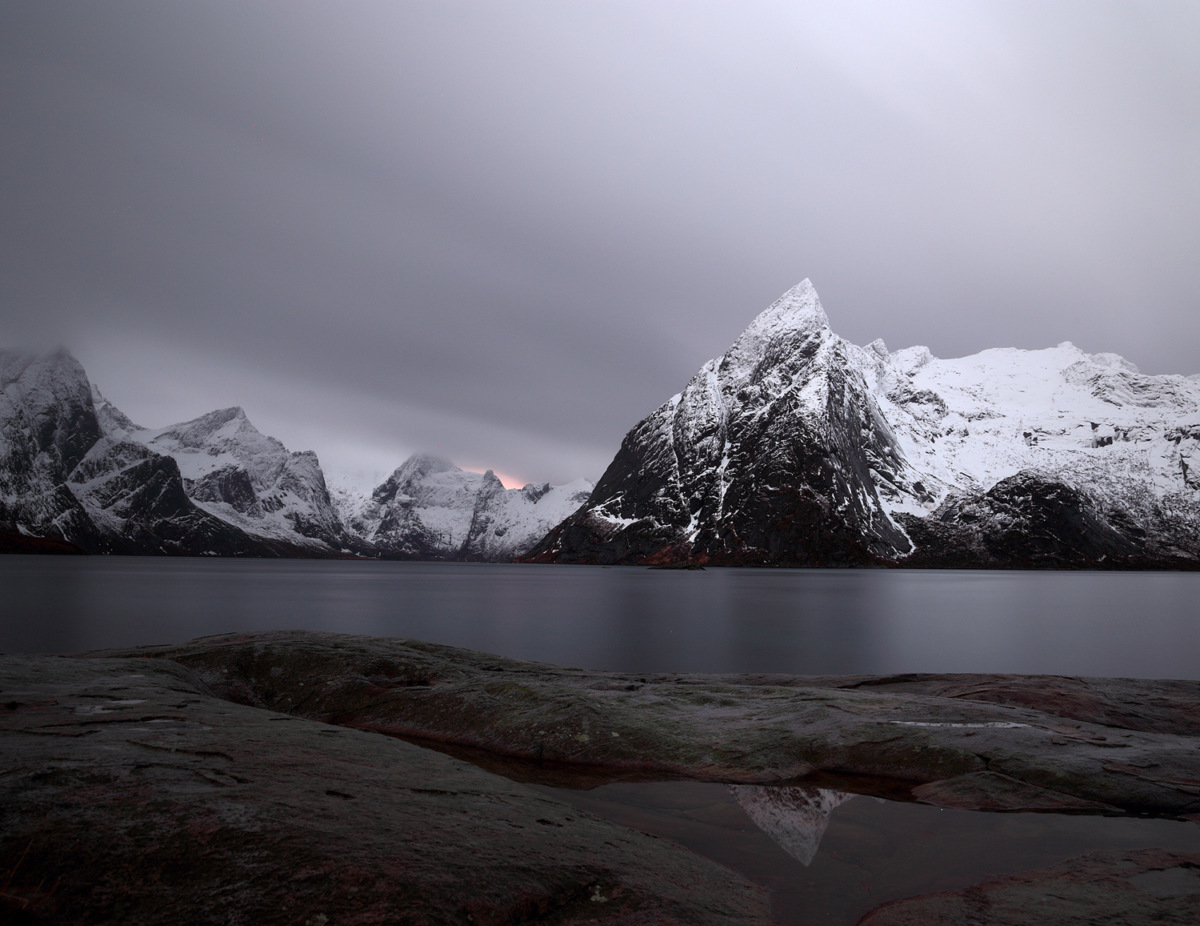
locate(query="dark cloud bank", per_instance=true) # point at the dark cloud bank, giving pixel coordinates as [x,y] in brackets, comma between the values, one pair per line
[509,231]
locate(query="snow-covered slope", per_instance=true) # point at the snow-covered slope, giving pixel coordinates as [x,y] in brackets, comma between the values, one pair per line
[509,522]
[137,499]
[113,422]
[250,480]
[797,447]
[1090,422]
[430,509]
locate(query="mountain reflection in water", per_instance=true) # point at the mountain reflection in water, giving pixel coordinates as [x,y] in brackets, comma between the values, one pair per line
[794,816]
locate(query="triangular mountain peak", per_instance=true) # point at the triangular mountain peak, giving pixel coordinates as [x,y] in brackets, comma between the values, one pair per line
[795,317]
[799,309]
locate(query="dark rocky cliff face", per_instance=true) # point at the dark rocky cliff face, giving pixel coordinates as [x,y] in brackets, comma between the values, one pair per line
[229,484]
[772,455]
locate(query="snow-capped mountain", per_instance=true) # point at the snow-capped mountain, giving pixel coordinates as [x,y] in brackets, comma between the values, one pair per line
[798,448]
[430,509]
[137,500]
[74,467]
[795,447]
[47,426]
[235,472]
[62,477]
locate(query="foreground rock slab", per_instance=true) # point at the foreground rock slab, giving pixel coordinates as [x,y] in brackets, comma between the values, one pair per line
[1135,888]
[129,793]
[1010,743]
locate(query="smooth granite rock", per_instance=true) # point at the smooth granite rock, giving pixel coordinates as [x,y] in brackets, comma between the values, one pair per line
[242,779]
[1106,746]
[129,793]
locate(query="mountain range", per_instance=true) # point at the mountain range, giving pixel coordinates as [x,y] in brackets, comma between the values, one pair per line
[793,448]
[798,448]
[77,474]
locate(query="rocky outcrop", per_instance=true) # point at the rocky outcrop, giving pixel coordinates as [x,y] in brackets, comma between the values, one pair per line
[243,778]
[130,794]
[991,743]
[798,448]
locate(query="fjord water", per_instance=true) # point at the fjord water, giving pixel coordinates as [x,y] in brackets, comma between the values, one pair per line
[630,619]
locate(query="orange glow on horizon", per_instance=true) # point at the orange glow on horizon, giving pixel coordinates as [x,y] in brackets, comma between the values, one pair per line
[506,479]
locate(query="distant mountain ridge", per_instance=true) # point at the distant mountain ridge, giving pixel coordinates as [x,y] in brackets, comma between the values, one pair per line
[797,447]
[74,468]
[794,448]
[430,509]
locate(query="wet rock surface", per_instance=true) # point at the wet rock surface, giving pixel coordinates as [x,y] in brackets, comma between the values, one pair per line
[1101,888]
[129,793]
[241,778]
[977,742]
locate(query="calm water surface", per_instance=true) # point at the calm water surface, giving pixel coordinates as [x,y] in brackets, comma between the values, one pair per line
[630,619]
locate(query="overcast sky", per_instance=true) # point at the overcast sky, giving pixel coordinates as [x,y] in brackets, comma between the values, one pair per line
[509,230]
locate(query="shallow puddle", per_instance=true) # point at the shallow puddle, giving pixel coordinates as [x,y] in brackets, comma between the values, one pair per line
[829,857]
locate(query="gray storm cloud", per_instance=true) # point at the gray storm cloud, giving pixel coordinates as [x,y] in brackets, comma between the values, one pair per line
[509,231]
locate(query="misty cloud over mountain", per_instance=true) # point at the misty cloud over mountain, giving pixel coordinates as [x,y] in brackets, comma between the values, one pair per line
[498,232]
[794,448]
